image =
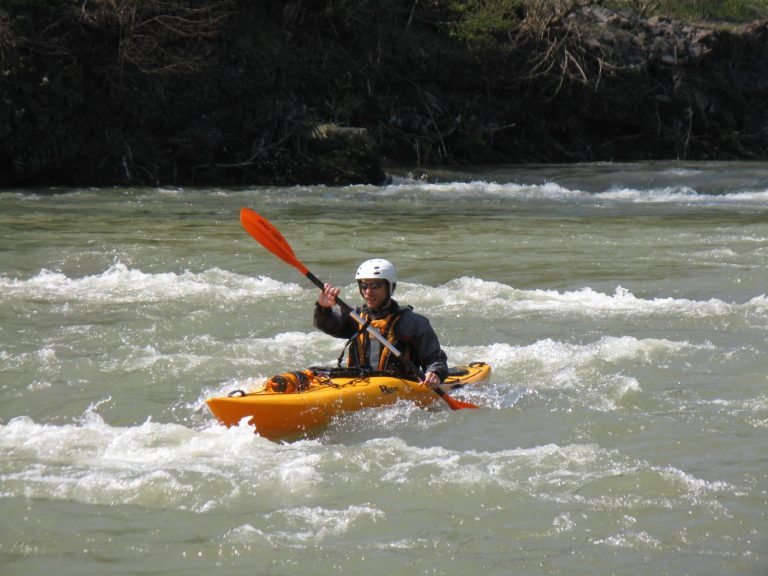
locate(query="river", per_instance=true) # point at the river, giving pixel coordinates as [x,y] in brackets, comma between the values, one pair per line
[624,429]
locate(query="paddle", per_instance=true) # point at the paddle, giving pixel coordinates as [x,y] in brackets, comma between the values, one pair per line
[268,236]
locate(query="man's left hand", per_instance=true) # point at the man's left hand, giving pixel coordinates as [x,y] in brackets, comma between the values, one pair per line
[431,379]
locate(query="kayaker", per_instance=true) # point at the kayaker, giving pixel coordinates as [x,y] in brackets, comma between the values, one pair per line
[409,332]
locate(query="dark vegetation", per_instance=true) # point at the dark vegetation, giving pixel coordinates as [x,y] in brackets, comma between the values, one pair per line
[322,91]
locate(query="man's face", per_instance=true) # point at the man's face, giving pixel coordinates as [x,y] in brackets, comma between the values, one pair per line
[374,292]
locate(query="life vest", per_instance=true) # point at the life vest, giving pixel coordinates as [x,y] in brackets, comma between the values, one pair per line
[368,352]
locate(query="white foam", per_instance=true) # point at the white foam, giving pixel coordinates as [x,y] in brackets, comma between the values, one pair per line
[122,284]
[553,191]
[151,464]
[593,373]
[682,195]
[160,465]
[557,355]
[304,525]
[490,297]
[478,190]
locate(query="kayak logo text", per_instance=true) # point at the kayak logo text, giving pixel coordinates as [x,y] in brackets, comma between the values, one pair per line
[388,389]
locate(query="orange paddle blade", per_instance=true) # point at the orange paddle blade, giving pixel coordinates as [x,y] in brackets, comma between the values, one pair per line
[453,403]
[268,236]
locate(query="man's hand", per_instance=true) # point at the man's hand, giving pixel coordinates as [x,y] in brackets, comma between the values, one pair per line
[328,295]
[431,379]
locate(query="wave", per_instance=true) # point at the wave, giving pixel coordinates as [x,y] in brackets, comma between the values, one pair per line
[591,184]
[555,355]
[122,284]
[689,183]
[156,465]
[594,375]
[682,194]
[490,297]
[554,191]
[549,190]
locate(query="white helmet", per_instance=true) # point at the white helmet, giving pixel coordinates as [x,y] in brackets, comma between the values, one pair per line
[378,268]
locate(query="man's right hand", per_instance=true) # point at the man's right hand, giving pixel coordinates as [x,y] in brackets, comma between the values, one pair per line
[328,295]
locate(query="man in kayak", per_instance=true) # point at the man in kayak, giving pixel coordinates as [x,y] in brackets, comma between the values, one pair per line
[409,332]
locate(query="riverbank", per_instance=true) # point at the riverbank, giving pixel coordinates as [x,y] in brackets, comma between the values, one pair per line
[254,93]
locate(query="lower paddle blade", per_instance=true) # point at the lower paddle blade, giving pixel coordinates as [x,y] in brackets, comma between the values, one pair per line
[264,232]
[455,404]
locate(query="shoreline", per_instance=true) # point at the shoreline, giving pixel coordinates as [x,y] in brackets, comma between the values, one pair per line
[264,97]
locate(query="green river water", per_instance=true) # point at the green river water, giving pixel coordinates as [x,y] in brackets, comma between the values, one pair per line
[624,429]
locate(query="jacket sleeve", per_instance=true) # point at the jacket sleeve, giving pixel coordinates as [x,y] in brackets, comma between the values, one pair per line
[332,322]
[415,331]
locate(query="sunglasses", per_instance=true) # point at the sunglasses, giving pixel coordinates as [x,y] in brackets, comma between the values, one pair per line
[370,285]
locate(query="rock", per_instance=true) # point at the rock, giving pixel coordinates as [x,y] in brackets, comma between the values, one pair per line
[343,155]
[326,138]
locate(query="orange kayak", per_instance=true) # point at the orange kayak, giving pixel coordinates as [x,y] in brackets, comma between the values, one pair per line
[295,404]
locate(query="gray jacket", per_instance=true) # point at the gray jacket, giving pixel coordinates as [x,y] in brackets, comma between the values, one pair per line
[413,331]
